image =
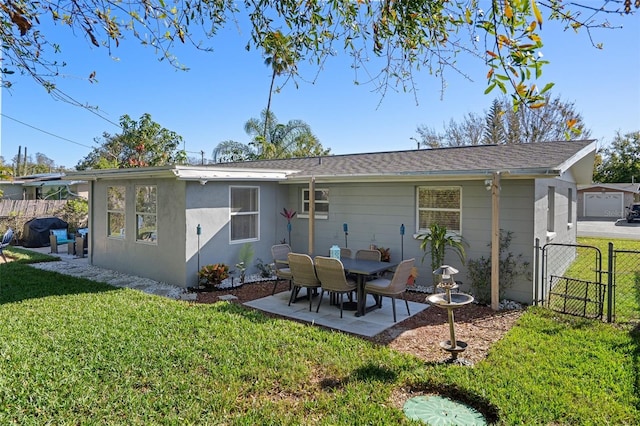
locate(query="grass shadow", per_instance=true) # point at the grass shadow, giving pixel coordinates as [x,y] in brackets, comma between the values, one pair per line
[19,282]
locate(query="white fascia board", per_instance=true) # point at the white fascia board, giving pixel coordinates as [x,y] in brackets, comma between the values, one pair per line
[223,174]
[430,176]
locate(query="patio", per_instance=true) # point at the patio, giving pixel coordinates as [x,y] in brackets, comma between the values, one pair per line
[368,325]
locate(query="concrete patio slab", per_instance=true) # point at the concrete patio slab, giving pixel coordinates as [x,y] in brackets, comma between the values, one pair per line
[368,325]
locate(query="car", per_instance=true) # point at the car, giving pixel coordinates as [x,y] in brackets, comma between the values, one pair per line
[633,212]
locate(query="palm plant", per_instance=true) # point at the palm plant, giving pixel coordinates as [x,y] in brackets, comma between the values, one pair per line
[437,241]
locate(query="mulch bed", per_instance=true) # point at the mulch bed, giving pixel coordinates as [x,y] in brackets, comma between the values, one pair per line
[477,325]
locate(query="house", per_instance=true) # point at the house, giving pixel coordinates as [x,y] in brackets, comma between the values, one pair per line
[606,200]
[166,222]
[43,186]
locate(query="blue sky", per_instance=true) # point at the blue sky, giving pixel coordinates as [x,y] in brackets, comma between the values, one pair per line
[211,102]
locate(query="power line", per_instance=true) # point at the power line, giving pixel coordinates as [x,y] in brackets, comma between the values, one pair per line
[46,132]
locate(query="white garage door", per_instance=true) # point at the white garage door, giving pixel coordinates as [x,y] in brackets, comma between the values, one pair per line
[603,204]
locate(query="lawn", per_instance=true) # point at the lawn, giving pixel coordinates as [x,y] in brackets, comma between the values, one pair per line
[73,351]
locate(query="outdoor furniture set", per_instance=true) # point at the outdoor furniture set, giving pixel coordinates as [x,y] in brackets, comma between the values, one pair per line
[360,274]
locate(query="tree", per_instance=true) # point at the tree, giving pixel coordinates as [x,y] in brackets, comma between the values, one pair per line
[494,132]
[556,120]
[232,151]
[621,161]
[406,36]
[282,140]
[141,144]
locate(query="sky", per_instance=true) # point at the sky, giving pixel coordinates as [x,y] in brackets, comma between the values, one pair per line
[212,101]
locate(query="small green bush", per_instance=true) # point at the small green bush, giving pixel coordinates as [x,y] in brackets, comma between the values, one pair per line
[511,267]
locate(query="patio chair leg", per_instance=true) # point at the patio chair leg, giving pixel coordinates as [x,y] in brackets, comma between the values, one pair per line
[393,300]
[406,302]
[294,293]
[274,287]
[341,303]
[320,301]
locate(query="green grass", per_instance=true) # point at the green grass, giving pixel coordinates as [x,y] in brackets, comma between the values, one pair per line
[73,351]
[627,274]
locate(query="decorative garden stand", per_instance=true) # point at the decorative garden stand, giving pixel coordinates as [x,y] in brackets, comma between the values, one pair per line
[450,301]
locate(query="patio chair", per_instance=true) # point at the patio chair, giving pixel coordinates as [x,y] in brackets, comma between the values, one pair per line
[279,253]
[345,252]
[6,240]
[391,288]
[367,254]
[333,279]
[303,275]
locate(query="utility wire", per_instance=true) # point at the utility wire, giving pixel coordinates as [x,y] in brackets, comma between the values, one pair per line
[48,133]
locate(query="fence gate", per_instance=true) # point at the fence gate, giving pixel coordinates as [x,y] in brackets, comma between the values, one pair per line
[571,280]
[625,294]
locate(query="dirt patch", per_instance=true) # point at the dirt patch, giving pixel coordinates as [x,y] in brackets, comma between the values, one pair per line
[477,325]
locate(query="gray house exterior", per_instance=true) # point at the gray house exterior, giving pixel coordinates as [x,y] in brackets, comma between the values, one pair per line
[145,221]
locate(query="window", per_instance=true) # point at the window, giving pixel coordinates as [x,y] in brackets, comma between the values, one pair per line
[569,205]
[116,211]
[321,203]
[146,213]
[442,205]
[551,209]
[245,213]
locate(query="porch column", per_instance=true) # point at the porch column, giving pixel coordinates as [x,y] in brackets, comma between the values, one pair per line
[312,213]
[495,241]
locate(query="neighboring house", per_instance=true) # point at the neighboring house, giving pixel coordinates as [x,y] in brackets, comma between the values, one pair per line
[43,186]
[606,200]
[143,221]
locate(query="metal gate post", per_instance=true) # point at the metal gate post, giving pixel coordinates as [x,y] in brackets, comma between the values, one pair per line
[610,284]
[536,273]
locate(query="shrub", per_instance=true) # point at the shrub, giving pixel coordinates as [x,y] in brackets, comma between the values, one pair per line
[266,270]
[212,275]
[479,270]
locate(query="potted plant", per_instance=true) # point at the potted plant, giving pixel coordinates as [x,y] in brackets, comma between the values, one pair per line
[212,275]
[437,241]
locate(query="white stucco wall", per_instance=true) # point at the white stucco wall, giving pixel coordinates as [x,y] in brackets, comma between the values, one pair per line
[163,261]
[208,205]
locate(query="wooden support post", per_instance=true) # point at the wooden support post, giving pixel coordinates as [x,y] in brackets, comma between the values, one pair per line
[495,241]
[312,213]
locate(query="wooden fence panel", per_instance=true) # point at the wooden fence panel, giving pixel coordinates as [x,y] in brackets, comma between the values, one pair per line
[31,208]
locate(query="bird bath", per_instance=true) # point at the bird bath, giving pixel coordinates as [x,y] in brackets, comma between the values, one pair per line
[450,301]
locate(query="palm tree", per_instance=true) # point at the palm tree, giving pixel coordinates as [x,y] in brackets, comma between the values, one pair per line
[232,151]
[274,140]
[282,57]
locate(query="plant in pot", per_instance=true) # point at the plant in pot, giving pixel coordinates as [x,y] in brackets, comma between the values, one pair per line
[436,242]
[212,275]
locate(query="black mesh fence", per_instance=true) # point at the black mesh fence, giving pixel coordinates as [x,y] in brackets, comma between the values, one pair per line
[626,285]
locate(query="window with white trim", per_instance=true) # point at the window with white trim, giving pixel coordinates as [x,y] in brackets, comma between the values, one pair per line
[321,203]
[570,205]
[245,213]
[146,213]
[551,209]
[116,211]
[442,205]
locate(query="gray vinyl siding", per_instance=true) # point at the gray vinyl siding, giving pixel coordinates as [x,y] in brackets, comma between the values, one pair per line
[374,213]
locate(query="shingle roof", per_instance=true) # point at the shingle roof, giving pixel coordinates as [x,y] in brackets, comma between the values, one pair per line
[468,159]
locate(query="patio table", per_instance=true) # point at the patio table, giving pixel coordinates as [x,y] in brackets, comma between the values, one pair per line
[363,268]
